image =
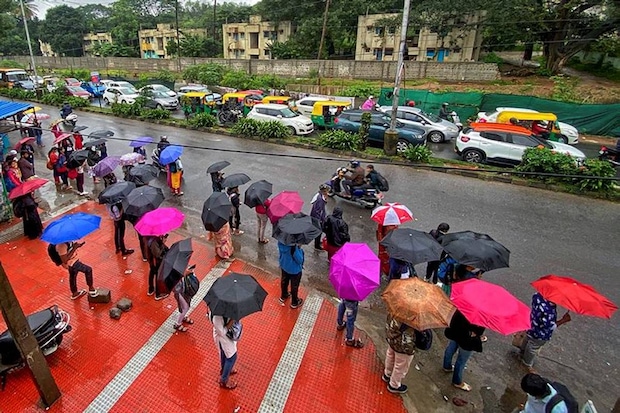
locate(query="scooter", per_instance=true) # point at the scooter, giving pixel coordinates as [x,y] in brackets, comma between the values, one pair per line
[367,197]
[48,327]
[612,155]
[454,118]
[155,159]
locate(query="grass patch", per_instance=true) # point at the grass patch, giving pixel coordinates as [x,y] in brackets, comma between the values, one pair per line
[606,71]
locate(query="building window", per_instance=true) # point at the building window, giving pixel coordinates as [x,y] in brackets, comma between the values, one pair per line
[274,36]
[266,52]
[235,36]
[379,31]
[266,34]
[253,40]
[242,36]
[389,51]
[430,53]
[391,30]
[378,53]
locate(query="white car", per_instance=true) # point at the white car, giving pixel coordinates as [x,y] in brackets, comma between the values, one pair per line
[305,105]
[159,88]
[296,123]
[437,130]
[570,134]
[501,143]
[119,84]
[119,95]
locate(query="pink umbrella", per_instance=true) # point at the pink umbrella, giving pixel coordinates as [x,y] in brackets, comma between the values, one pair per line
[354,271]
[286,202]
[489,305]
[159,221]
[391,214]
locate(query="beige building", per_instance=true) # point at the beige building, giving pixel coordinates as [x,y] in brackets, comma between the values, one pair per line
[252,40]
[93,39]
[381,43]
[153,42]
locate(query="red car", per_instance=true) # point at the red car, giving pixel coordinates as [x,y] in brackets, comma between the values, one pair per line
[77,91]
[71,81]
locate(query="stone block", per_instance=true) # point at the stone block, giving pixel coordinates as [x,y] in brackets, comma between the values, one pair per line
[115,313]
[105,296]
[124,304]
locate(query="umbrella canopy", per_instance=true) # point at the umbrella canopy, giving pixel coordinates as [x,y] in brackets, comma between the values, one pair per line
[159,221]
[235,296]
[27,187]
[95,142]
[257,193]
[354,271]
[479,251]
[174,264]
[412,246]
[22,141]
[70,227]
[143,174]
[418,304]
[464,235]
[62,137]
[392,213]
[77,158]
[79,128]
[106,166]
[286,202]
[170,154]
[131,158]
[116,192]
[33,110]
[218,166]
[99,134]
[296,229]
[216,211]
[489,305]
[144,140]
[142,200]
[235,180]
[38,116]
[575,296]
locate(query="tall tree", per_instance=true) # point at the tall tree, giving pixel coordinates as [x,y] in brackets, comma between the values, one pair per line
[64,30]
[97,17]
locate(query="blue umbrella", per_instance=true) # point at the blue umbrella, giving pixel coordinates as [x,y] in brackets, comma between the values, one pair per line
[170,154]
[71,227]
[144,140]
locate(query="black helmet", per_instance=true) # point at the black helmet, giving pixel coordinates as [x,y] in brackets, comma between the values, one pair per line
[443,227]
[323,187]
[354,163]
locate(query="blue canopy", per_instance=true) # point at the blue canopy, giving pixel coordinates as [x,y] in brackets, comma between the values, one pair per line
[8,108]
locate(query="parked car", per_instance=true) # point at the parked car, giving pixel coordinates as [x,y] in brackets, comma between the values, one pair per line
[503,143]
[437,130]
[119,95]
[296,123]
[160,100]
[95,89]
[193,87]
[77,91]
[569,134]
[71,81]
[351,120]
[119,84]
[160,88]
[305,105]
[15,78]
[37,80]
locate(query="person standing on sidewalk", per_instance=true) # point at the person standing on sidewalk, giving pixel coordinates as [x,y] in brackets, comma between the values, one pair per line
[291,264]
[433,266]
[227,347]
[235,217]
[348,308]
[261,216]
[68,253]
[118,216]
[183,296]
[464,338]
[156,251]
[382,231]
[336,232]
[318,212]
[216,181]
[401,346]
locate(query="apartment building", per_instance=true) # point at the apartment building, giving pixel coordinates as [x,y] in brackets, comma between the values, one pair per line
[93,39]
[378,42]
[153,42]
[251,40]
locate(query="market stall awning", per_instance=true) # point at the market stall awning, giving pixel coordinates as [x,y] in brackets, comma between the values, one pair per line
[8,108]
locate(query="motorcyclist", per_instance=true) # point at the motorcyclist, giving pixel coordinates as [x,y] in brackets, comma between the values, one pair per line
[163,143]
[66,110]
[355,178]
[71,118]
[444,112]
[372,178]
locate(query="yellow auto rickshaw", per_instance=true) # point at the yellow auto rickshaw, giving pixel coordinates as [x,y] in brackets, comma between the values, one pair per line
[198,102]
[544,125]
[238,100]
[281,100]
[324,112]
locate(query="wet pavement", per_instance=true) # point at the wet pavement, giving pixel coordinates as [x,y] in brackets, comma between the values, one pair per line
[547,233]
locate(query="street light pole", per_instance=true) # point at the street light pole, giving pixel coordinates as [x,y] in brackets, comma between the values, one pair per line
[34,67]
[323,31]
[176,16]
[401,63]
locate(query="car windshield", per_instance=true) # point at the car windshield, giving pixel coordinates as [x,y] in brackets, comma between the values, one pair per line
[287,113]
[543,142]
[17,76]
[161,88]
[125,91]
[157,94]
[75,88]
[431,116]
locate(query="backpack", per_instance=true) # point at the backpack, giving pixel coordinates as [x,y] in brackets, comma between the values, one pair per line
[18,209]
[563,395]
[191,285]
[49,165]
[54,255]
[446,268]
[383,183]
[423,339]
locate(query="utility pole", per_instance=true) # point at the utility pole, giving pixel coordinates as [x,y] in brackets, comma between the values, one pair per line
[214,20]
[322,40]
[176,16]
[34,67]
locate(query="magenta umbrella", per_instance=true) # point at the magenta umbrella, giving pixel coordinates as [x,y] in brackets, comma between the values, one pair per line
[354,271]
[489,305]
[159,221]
[286,202]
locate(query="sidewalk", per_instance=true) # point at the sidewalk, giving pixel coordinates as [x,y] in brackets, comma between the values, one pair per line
[289,360]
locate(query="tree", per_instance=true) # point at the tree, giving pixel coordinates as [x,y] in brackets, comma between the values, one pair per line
[64,28]
[194,46]
[112,50]
[13,42]
[97,17]
[30,9]
[7,22]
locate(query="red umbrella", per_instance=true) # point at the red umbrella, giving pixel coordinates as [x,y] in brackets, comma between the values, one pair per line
[489,305]
[391,214]
[27,187]
[62,137]
[23,141]
[575,296]
[286,202]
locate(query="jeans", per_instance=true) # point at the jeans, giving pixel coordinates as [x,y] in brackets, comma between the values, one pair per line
[262,225]
[350,309]
[294,280]
[531,348]
[143,247]
[77,267]
[37,134]
[119,235]
[226,364]
[396,366]
[235,219]
[461,361]
[431,271]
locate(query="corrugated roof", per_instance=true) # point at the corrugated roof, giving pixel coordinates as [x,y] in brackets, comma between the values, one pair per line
[8,108]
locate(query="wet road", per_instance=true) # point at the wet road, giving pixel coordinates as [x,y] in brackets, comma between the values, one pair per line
[547,232]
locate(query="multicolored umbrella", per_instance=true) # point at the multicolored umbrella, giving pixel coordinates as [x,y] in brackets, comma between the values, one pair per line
[159,221]
[131,158]
[27,187]
[392,213]
[354,271]
[71,227]
[38,116]
[62,137]
[286,202]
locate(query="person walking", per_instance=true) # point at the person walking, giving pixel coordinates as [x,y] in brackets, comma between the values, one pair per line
[156,250]
[25,166]
[261,216]
[25,207]
[223,242]
[336,232]
[463,338]
[348,308]
[543,323]
[318,212]
[117,214]
[433,266]
[227,348]
[401,347]
[216,181]
[183,298]
[235,217]
[37,132]
[291,264]
[68,252]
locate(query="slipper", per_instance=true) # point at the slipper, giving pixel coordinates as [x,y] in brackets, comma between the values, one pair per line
[463,386]
[341,327]
[484,339]
[180,328]
[78,294]
[188,320]
[93,293]
[357,343]
[459,402]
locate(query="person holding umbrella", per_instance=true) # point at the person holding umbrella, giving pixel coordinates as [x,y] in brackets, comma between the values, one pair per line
[227,348]
[433,266]
[60,167]
[25,166]
[318,211]
[222,239]
[216,181]
[68,252]
[25,207]
[156,251]
[235,216]
[291,264]
[117,214]
[215,216]
[336,232]
[261,217]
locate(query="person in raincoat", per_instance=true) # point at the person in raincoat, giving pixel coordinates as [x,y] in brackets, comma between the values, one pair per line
[319,201]
[336,232]
[369,104]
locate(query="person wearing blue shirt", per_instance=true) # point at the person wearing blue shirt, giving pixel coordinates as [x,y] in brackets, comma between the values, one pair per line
[291,264]
[540,396]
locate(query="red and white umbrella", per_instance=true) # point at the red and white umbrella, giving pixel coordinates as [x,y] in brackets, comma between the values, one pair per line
[392,214]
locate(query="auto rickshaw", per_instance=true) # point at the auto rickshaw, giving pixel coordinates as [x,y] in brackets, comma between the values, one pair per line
[324,112]
[198,102]
[237,100]
[281,100]
[544,125]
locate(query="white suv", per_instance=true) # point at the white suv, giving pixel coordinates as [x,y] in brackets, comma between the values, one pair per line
[296,123]
[502,143]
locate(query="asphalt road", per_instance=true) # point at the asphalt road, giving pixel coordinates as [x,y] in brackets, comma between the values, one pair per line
[546,232]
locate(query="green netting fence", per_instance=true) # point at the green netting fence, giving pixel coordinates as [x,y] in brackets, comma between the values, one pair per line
[592,119]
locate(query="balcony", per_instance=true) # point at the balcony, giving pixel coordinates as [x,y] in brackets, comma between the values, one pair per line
[147,46]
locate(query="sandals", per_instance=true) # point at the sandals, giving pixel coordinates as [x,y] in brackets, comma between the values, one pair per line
[341,327]
[93,293]
[484,339]
[357,343]
[463,386]
[188,320]
[78,294]
[228,385]
[180,328]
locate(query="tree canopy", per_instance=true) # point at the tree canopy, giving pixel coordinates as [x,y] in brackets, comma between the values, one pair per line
[54,31]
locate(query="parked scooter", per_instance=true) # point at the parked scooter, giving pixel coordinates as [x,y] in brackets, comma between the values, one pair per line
[155,159]
[610,154]
[48,327]
[366,197]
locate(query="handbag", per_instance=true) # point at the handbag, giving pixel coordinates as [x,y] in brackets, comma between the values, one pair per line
[234,332]
[518,339]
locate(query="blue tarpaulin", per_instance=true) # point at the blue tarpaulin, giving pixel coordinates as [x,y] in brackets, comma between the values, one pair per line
[8,108]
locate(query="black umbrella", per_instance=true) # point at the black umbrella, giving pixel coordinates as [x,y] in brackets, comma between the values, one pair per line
[235,296]
[143,174]
[464,235]
[116,192]
[173,265]
[482,252]
[100,134]
[216,211]
[218,166]
[95,142]
[142,200]
[257,193]
[296,229]
[77,158]
[412,246]
[235,180]
[79,128]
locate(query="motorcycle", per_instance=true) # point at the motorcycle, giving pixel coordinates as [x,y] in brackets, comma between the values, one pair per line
[229,115]
[155,159]
[454,118]
[367,197]
[48,327]
[612,155]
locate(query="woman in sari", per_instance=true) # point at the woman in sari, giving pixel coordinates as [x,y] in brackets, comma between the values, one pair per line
[382,231]
[223,242]
[175,172]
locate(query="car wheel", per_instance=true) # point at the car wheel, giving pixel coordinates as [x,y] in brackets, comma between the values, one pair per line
[292,130]
[435,137]
[473,156]
[402,145]
[563,139]
[106,101]
[123,101]
[159,107]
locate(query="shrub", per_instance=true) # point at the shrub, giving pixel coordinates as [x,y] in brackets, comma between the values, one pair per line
[79,74]
[146,113]
[594,167]
[361,90]
[364,129]
[564,89]
[272,130]
[341,140]
[208,74]
[11,64]
[264,82]
[237,79]
[492,58]
[203,120]
[545,160]
[16,93]
[125,109]
[246,128]
[418,153]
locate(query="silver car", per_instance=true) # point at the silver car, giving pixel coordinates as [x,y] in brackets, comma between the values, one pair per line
[437,130]
[160,100]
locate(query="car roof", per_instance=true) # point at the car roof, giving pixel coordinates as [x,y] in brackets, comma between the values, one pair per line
[403,108]
[513,109]
[270,106]
[357,111]
[500,127]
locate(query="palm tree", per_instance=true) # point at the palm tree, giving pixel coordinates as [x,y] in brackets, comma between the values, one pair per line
[30,9]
